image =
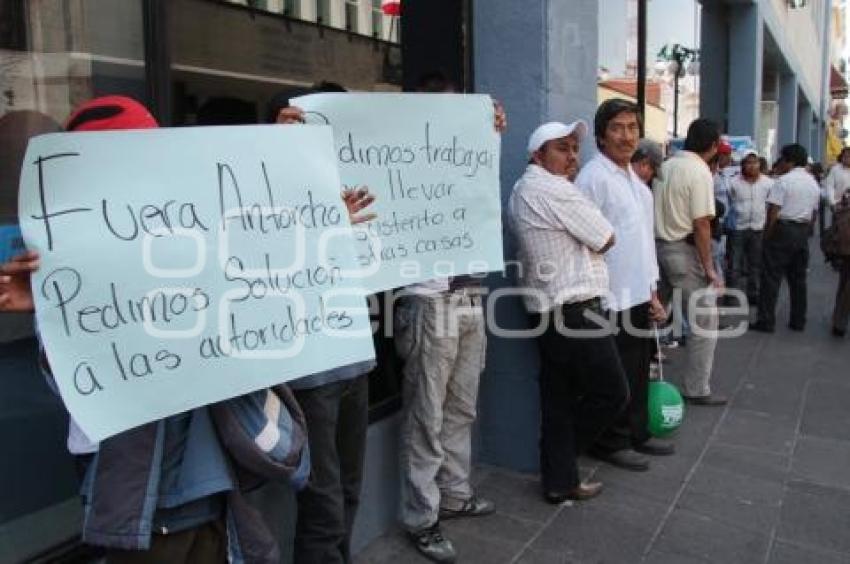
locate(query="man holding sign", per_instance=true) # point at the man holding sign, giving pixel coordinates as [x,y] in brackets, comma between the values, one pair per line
[180,453]
[433,161]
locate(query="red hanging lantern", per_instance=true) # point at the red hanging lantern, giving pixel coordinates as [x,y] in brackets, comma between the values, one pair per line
[391,7]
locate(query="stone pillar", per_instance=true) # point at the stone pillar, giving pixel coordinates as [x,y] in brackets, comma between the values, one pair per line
[746,41]
[804,124]
[714,52]
[787,130]
[548,73]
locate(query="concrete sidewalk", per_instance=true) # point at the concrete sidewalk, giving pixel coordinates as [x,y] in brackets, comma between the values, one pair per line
[764,480]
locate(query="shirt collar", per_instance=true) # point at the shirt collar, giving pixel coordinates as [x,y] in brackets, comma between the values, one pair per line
[691,155]
[615,168]
[535,170]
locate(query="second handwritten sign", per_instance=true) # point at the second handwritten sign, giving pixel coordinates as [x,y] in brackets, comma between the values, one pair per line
[433,162]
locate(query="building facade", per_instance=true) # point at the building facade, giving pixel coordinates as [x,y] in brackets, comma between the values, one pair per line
[184,57]
[765,70]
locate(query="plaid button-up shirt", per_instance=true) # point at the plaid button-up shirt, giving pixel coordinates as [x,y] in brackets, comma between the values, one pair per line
[560,232]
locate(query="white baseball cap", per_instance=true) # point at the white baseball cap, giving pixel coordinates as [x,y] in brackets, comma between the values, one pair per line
[556,130]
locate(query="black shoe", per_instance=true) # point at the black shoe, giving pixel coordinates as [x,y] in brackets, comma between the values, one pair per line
[710,400]
[656,447]
[797,328]
[836,332]
[761,327]
[627,459]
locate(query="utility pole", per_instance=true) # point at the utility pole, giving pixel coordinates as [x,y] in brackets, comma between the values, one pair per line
[641,64]
[677,56]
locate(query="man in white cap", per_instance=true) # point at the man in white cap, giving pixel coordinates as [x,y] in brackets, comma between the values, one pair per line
[609,181]
[562,236]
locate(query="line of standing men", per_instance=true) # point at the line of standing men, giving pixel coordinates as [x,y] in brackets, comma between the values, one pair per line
[590,244]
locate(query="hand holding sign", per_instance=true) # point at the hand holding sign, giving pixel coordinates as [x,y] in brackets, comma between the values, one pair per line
[15,289]
[356,200]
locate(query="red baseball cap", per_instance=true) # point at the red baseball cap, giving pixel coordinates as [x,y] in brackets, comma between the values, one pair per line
[724,148]
[110,112]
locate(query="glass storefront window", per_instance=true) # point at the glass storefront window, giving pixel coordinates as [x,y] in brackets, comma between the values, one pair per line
[377,20]
[292,8]
[351,19]
[53,55]
[323,12]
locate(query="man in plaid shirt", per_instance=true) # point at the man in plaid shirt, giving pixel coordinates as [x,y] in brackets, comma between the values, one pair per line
[562,236]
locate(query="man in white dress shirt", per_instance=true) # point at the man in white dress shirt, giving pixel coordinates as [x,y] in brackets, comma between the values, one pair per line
[609,181]
[748,194]
[792,205]
[838,180]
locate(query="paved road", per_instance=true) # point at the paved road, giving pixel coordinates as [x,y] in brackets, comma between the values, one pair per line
[764,480]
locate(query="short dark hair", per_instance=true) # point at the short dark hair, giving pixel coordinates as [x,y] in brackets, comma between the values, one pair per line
[794,154]
[702,134]
[751,156]
[608,110]
[226,110]
[282,100]
[435,81]
[328,86]
[843,151]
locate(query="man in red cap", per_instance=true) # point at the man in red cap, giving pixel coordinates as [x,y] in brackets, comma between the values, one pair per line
[182,525]
[160,492]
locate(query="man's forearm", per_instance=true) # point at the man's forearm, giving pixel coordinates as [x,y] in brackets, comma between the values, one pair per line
[772,218]
[702,239]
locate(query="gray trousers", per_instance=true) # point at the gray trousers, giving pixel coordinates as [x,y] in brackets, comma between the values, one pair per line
[443,341]
[684,275]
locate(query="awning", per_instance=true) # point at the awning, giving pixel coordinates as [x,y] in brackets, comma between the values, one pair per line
[837,84]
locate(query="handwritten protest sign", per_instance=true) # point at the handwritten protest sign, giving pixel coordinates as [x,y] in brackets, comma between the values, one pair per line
[182,267]
[433,162]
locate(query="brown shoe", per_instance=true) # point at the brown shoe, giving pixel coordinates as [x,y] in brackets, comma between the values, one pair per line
[582,492]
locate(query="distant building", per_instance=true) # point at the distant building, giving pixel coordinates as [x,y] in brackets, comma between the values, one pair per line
[765,70]
[655,119]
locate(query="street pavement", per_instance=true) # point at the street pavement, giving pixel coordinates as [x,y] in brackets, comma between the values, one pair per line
[764,480]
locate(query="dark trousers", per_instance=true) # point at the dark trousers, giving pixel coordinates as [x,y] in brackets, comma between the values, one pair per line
[206,544]
[337,419]
[582,391]
[785,255]
[746,251]
[632,427]
[841,313]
